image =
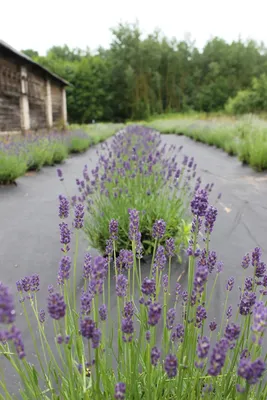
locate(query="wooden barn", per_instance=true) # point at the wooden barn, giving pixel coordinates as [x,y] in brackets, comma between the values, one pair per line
[31,97]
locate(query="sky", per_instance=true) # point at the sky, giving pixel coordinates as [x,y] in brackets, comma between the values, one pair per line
[40,25]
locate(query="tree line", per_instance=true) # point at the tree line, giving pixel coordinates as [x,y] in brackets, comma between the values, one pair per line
[137,76]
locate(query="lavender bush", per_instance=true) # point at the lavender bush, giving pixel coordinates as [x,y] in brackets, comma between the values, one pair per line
[137,171]
[163,345]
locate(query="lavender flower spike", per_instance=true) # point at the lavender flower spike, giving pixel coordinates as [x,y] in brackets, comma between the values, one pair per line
[159,229]
[154,313]
[78,216]
[7,307]
[155,356]
[170,365]
[64,207]
[113,229]
[199,204]
[56,306]
[134,224]
[120,390]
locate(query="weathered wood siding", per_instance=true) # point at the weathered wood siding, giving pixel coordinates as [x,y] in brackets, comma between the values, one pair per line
[9,96]
[36,96]
[56,103]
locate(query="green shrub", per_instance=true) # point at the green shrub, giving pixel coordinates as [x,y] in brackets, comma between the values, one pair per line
[133,173]
[79,142]
[12,166]
[36,156]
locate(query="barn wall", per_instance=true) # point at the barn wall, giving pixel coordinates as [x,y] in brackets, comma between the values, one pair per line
[56,93]
[9,96]
[37,101]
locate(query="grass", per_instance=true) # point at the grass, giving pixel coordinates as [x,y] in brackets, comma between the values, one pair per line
[244,137]
[32,152]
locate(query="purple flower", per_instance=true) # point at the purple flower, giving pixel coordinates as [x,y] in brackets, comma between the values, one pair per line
[210,218]
[229,312]
[99,268]
[64,236]
[255,256]
[78,216]
[50,288]
[246,261]
[133,224]
[113,229]
[127,326]
[154,356]
[199,204]
[148,336]
[211,261]
[64,269]
[14,334]
[170,318]
[64,207]
[60,339]
[86,302]
[60,174]
[247,302]
[260,269]
[26,284]
[170,247]
[96,338]
[165,282]
[42,316]
[56,306]
[87,266]
[87,327]
[120,390]
[178,333]
[35,283]
[230,284]
[126,259]
[232,331]
[251,371]
[19,286]
[201,278]
[7,308]
[203,346]
[121,285]
[201,314]
[154,313]
[159,229]
[212,326]
[170,365]
[219,267]
[259,318]
[103,312]
[148,286]
[249,283]
[128,310]
[160,259]
[109,247]
[218,356]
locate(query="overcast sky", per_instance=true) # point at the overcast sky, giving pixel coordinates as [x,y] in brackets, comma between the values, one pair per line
[80,23]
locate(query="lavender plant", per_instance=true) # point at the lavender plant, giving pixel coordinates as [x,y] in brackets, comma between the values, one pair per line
[137,171]
[162,343]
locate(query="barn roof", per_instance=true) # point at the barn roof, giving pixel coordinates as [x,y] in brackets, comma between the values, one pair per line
[29,60]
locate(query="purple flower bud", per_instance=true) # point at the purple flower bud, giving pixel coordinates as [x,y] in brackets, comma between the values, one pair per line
[50,288]
[170,318]
[42,316]
[251,371]
[148,336]
[60,339]
[96,338]
[232,331]
[35,283]
[121,285]
[218,356]
[64,207]
[200,203]
[211,261]
[7,307]
[60,174]
[113,229]
[259,318]
[14,334]
[67,339]
[249,283]
[128,310]
[229,312]
[154,356]
[255,256]
[127,326]
[87,326]
[120,390]
[109,247]
[64,236]
[165,282]
[247,301]
[212,326]
[201,278]
[170,247]
[178,333]
[56,306]
[78,216]
[203,347]
[219,267]
[86,303]
[160,259]
[230,284]
[210,218]
[64,269]
[87,266]
[159,229]
[201,314]
[154,313]
[103,312]
[148,286]
[170,365]
[246,261]
[133,224]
